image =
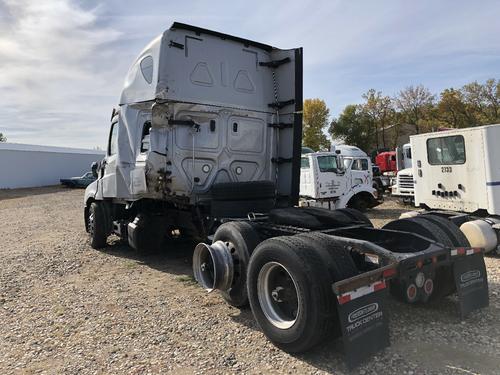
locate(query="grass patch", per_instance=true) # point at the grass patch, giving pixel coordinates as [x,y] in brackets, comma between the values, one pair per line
[130,264]
[188,279]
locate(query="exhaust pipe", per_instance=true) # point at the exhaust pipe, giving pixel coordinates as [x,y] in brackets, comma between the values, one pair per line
[213,266]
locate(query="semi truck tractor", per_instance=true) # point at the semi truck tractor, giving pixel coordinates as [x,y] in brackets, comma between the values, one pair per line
[457,176]
[206,143]
[404,186]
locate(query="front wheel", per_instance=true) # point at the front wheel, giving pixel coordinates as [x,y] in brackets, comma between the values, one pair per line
[358,203]
[96,225]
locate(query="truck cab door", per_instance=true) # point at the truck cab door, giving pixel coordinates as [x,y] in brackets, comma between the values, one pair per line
[360,171]
[109,164]
[332,177]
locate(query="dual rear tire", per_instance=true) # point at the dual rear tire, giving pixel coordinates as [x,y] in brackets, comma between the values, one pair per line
[438,229]
[289,288]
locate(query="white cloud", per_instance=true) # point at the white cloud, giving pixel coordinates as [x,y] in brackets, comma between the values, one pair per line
[49,52]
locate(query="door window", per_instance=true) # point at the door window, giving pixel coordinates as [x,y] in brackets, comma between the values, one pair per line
[360,165]
[113,139]
[304,163]
[145,139]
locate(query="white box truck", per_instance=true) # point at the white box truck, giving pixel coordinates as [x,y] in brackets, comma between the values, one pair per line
[206,143]
[457,175]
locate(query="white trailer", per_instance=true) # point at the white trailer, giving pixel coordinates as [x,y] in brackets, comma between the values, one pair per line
[458,171]
[338,179]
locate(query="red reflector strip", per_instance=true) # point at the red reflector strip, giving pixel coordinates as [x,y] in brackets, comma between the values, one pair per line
[465,251]
[364,290]
[378,286]
[344,298]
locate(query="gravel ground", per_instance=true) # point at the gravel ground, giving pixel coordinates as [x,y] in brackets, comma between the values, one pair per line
[65,308]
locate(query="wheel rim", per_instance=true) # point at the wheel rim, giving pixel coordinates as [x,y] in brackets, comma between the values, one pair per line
[278,297]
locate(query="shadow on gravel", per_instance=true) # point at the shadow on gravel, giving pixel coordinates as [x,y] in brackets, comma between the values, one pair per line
[176,259]
[328,356]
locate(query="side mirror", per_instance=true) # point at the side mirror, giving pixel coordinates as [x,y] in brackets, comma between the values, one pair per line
[93,167]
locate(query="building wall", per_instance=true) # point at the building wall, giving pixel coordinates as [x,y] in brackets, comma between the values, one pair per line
[32,166]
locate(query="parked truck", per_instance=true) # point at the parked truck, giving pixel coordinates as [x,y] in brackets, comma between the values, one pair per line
[338,179]
[206,143]
[385,160]
[404,185]
[457,176]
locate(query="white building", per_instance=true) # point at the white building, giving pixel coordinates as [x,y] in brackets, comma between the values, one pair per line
[24,165]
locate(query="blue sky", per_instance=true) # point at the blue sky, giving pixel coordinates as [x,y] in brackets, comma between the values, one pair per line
[63,62]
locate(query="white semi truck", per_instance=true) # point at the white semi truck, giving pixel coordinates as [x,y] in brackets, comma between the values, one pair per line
[404,185]
[457,175]
[206,143]
[339,179]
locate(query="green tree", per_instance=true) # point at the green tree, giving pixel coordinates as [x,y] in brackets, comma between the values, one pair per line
[453,111]
[491,94]
[415,103]
[483,100]
[353,127]
[3,138]
[315,120]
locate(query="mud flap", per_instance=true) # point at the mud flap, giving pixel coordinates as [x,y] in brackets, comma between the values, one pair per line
[469,272]
[363,322]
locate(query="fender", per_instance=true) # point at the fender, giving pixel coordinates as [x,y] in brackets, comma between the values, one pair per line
[93,191]
[344,199]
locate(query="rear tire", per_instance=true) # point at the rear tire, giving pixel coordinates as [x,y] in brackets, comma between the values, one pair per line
[444,284]
[421,227]
[356,215]
[316,315]
[242,239]
[453,231]
[97,225]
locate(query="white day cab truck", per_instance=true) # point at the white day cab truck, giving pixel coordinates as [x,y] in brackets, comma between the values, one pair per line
[206,144]
[404,185]
[338,179]
[457,177]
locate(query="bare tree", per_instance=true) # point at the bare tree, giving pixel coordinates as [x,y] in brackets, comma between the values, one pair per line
[415,104]
[379,110]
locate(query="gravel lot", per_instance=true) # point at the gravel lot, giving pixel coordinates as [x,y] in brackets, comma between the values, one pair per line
[65,308]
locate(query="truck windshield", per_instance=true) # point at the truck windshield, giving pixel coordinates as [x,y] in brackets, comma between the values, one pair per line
[327,163]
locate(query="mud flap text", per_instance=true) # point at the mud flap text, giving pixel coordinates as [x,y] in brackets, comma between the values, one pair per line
[471,281]
[364,326]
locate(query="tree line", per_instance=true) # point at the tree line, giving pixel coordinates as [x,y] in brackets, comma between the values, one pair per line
[379,120]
